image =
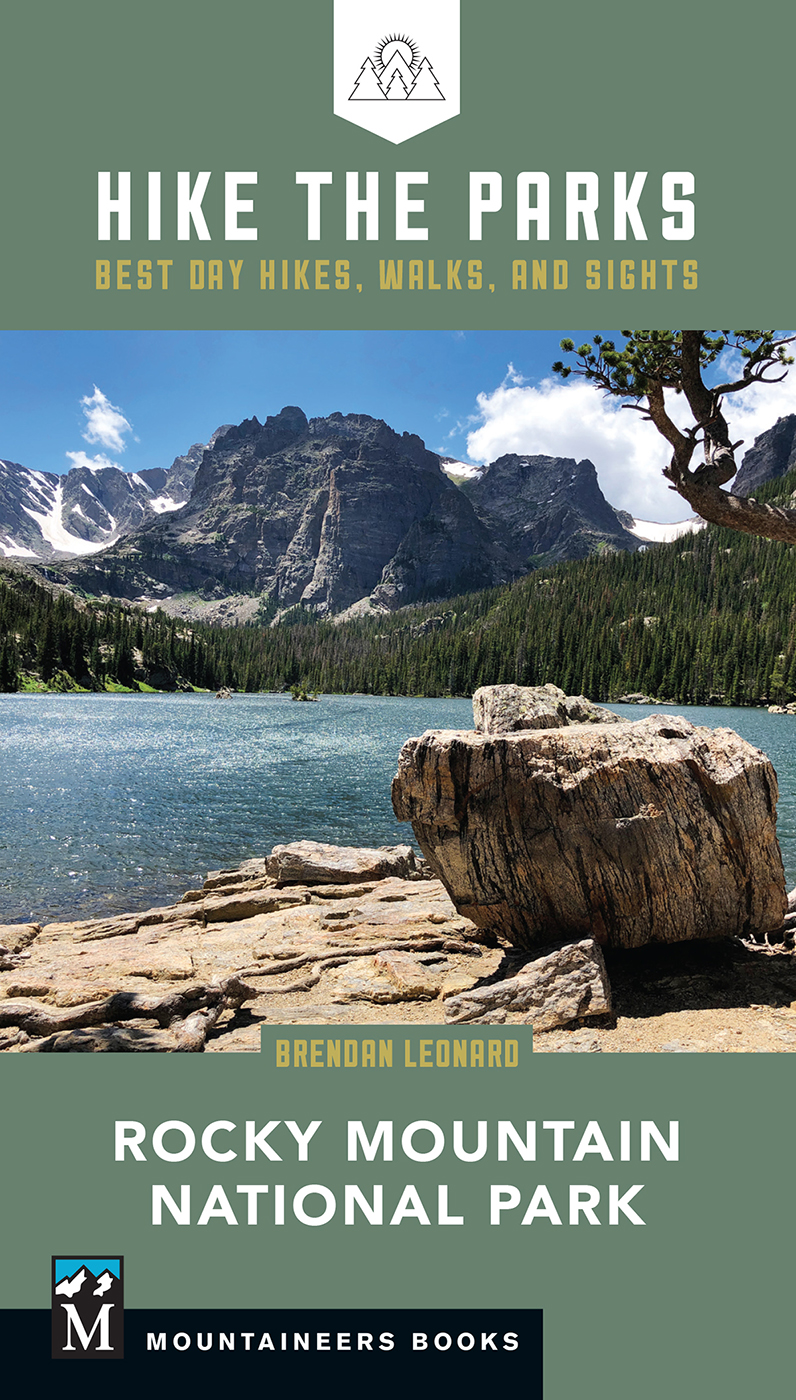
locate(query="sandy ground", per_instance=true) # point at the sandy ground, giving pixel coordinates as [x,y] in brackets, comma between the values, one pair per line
[722,998]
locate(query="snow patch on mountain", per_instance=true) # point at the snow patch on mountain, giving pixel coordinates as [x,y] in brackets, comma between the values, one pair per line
[11,548]
[662,532]
[458,471]
[159,504]
[54,532]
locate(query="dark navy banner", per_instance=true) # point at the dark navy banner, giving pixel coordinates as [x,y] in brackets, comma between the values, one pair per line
[423,1350]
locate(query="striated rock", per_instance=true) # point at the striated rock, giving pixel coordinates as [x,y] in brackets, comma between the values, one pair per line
[387,977]
[223,908]
[194,910]
[120,926]
[81,929]
[553,990]
[313,863]
[402,939]
[505,709]
[359,979]
[458,981]
[634,833]
[250,874]
[399,951]
[15,937]
[410,975]
[9,960]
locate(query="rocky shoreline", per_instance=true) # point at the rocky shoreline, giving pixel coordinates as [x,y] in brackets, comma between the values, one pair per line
[328,935]
[618,886]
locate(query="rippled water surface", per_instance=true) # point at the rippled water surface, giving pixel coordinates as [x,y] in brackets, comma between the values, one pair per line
[118,802]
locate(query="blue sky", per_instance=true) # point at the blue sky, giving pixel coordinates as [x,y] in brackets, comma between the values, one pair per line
[471,395]
[176,387]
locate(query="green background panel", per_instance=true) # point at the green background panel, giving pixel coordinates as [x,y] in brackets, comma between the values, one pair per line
[696,1302]
[248,86]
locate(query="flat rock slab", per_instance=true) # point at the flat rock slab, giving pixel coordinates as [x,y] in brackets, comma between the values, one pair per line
[229,908]
[389,927]
[392,911]
[313,863]
[118,926]
[189,913]
[633,833]
[553,990]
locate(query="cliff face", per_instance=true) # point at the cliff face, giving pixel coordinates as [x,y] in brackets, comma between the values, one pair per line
[324,513]
[771,455]
[340,512]
[550,506]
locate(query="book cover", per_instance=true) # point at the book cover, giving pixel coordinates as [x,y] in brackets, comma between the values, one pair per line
[402,192]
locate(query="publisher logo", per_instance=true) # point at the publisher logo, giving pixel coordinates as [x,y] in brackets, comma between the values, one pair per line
[87,1309]
[396,64]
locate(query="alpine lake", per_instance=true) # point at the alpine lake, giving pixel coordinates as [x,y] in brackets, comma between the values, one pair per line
[111,803]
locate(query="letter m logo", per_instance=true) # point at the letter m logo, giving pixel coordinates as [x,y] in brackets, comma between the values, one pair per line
[87,1308]
[74,1324]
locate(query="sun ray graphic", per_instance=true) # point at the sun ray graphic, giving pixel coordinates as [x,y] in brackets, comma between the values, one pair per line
[397,43]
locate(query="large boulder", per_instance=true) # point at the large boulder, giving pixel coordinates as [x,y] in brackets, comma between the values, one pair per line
[635,832]
[504,709]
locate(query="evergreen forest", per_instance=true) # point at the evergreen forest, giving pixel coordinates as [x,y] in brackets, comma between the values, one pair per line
[709,618]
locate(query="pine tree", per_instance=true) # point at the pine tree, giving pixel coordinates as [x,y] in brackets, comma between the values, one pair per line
[367,87]
[425,87]
[397,88]
[9,666]
[47,651]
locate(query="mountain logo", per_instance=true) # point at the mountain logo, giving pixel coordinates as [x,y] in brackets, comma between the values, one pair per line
[396,65]
[87,1308]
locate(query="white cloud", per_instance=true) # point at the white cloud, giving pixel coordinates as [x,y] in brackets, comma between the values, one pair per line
[99,462]
[575,420]
[105,423]
[513,376]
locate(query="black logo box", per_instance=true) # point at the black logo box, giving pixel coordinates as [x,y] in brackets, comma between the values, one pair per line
[87,1323]
[464,1347]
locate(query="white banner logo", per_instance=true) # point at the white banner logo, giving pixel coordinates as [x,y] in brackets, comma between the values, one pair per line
[396,64]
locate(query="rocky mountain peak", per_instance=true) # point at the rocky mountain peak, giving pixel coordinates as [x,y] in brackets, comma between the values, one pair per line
[330,513]
[771,455]
[550,506]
